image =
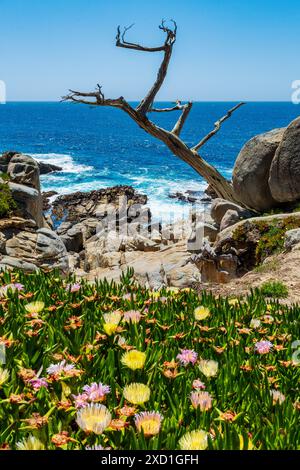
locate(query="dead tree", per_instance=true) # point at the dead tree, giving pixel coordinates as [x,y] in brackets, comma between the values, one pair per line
[189,155]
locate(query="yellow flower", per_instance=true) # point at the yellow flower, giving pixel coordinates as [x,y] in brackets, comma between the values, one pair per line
[148,422]
[110,328]
[113,318]
[93,418]
[208,367]
[134,359]
[30,443]
[194,440]
[136,393]
[4,375]
[201,312]
[233,301]
[35,307]
[111,322]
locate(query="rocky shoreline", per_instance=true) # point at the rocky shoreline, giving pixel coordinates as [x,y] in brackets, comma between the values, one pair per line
[102,233]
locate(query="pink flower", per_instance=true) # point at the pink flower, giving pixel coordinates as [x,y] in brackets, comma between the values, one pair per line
[18,286]
[203,400]
[198,385]
[81,400]
[38,383]
[61,367]
[187,356]
[263,347]
[132,316]
[73,287]
[96,392]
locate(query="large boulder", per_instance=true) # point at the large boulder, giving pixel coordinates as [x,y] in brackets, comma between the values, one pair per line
[29,250]
[220,206]
[23,169]
[251,170]
[231,217]
[29,201]
[284,180]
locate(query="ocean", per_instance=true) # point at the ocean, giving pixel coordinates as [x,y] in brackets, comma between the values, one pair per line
[102,147]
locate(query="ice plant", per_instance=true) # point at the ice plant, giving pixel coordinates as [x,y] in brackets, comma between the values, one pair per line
[80,400]
[198,385]
[35,307]
[60,368]
[132,316]
[96,391]
[30,443]
[93,418]
[148,422]
[136,393]
[134,359]
[202,400]
[38,383]
[4,375]
[111,322]
[208,367]
[73,287]
[255,323]
[113,317]
[201,312]
[187,356]
[263,347]
[277,396]
[194,440]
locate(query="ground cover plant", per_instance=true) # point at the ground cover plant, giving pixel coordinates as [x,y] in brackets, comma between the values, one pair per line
[121,367]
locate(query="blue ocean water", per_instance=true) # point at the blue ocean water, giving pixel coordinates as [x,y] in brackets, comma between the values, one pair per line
[101,147]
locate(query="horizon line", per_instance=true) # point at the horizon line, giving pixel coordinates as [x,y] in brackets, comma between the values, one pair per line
[161,101]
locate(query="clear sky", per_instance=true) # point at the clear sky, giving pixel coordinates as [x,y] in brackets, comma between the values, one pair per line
[226,49]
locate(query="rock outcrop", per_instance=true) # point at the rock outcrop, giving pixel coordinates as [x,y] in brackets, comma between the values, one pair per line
[24,170]
[25,241]
[251,170]
[220,206]
[31,249]
[284,179]
[46,168]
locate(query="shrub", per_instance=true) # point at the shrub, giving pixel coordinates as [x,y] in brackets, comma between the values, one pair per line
[274,289]
[7,203]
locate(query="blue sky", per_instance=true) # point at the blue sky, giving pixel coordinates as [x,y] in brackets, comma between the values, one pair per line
[226,49]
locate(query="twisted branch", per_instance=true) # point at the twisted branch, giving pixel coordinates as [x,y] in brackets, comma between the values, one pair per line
[217,127]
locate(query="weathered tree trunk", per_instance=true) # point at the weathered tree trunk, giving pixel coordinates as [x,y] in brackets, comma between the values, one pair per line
[171,139]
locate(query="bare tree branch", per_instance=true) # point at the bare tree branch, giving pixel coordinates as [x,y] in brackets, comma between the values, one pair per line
[217,127]
[78,97]
[171,139]
[167,47]
[120,42]
[147,102]
[180,123]
[178,106]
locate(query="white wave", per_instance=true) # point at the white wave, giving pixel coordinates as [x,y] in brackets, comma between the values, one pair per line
[63,160]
